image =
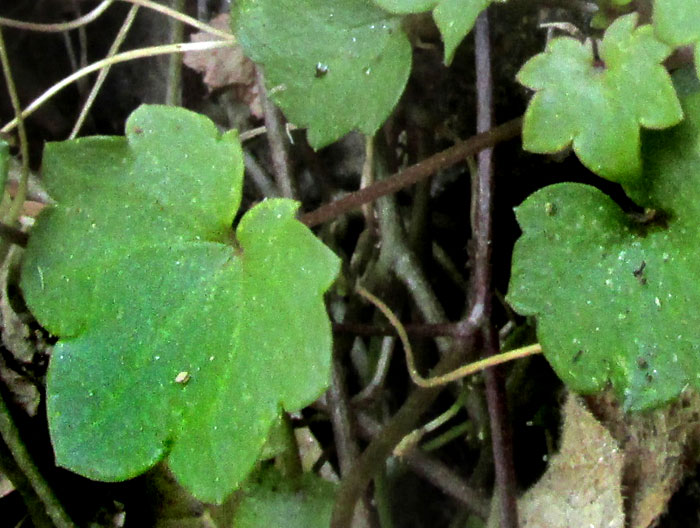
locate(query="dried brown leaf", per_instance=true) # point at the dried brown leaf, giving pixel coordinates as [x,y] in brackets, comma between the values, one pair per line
[225,67]
[582,486]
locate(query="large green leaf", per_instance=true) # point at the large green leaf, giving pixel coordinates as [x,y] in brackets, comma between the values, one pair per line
[177,337]
[600,107]
[616,296]
[678,23]
[331,65]
[454,18]
[273,501]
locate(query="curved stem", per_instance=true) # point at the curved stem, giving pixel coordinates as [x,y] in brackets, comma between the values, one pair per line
[11,437]
[121,57]
[118,40]
[21,193]
[62,26]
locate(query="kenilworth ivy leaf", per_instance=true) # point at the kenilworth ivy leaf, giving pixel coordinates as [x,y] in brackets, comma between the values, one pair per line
[178,337]
[677,22]
[599,108]
[616,296]
[331,65]
[274,501]
[454,18]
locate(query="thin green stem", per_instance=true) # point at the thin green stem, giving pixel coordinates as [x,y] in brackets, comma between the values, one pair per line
[21,194]
[461,372]
[57,28]
[121,57]
[11,437]
[118,41]
[173,92]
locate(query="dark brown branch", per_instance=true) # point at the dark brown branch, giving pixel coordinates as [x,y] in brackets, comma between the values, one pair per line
[434,471]
[414,173]
[352,486]
[416,329]
[482,232]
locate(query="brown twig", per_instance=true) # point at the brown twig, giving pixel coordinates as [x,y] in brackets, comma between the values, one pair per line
[482,231]
[414,173]
[433,470]
[277,140]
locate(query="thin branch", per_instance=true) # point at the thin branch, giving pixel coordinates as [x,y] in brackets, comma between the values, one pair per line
[11,437]
[352,486]
[61,26]
[277,141]
[172,13]
[433,470]
[454,375]
[118,40]
[173,87]
[415,173]
[121,57]
[21,193]
[481,283]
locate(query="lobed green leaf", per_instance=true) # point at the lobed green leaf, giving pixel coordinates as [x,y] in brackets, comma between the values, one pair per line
[615,296]
[177,337]
[588,105]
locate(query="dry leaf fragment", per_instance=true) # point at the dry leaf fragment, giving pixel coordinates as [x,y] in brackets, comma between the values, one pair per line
[225,67]
[582,486]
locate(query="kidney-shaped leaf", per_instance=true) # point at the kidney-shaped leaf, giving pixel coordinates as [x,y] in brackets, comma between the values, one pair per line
[616,295]
[600,107]
[176,336]
[331,65]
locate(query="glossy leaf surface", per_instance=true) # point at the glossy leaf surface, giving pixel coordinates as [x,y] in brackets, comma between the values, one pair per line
[590,106]
[177,338]
[331,65]
[616,295]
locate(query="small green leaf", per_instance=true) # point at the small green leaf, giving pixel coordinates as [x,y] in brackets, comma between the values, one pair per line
[331,65]
[274,501]
[615,295]
[578,101]
[454,18]
[677,22]
[176,337]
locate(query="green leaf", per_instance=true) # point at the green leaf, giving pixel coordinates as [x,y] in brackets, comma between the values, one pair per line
[615,296]
[406,6]
[578,102]
[274,501]
[677,22]
[176,337]
[331,65]
[454,18]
